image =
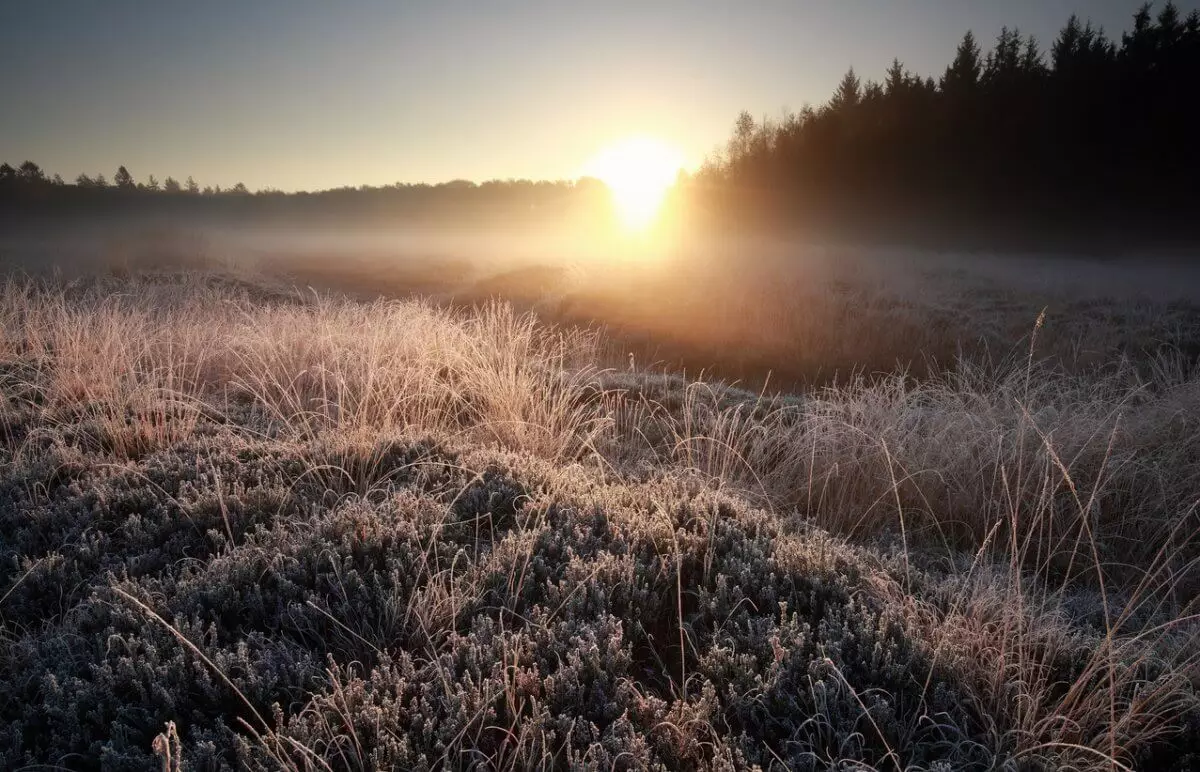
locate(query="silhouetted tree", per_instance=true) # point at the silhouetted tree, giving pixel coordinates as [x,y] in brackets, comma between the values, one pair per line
[898,80]
[123,179]
[31,173]
[1078,49]
[848,93]
[743,137]
[962,76]
[1033,63]
[171,185]
[191,186]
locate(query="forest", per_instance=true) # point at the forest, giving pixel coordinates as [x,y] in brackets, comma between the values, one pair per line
[1090,135]
[1091,131]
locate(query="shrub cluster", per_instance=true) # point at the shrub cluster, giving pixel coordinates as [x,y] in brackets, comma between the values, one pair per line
[447,617]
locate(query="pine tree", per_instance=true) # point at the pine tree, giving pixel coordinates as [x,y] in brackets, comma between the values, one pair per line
[1170,27]
[962,76]
[123,179]
[1032,61]
[1138,45]
[849,92]
[897,79]
[1004,62]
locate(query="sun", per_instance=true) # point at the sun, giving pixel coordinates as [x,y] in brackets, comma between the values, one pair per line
[638,171]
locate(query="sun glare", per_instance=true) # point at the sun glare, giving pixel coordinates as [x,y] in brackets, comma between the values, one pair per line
[638,171]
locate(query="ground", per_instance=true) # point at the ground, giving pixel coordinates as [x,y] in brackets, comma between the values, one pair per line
[243,525]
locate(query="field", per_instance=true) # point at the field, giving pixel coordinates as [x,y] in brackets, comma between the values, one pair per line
[715,508]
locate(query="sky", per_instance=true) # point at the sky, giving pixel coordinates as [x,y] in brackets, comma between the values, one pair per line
[308,94]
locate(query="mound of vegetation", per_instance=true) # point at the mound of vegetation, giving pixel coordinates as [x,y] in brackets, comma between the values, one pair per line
[312,534]
[278,613]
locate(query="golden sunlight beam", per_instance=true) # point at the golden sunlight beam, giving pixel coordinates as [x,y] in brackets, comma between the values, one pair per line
[638,172]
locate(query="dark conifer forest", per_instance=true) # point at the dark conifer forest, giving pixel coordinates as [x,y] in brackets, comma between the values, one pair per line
[1087,132]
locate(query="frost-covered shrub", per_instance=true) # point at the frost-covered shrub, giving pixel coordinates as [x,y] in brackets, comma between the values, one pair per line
[451,616]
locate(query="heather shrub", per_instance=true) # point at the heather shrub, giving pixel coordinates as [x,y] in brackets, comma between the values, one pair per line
[567,628]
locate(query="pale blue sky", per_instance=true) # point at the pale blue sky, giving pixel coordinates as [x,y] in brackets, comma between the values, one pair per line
[311,94]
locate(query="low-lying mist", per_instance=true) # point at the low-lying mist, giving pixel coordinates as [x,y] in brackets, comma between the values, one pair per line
[764,310]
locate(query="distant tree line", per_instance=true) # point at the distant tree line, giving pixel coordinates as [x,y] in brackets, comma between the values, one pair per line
[27,190]
[29,181]
[1092,134]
